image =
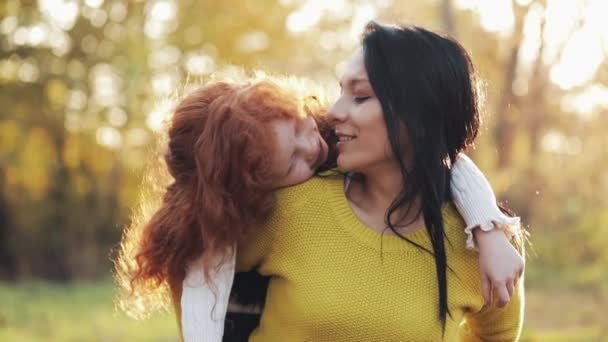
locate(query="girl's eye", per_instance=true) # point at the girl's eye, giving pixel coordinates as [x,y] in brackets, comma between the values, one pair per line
[362,99]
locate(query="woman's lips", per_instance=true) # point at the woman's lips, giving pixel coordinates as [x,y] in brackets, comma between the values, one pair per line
[343,138]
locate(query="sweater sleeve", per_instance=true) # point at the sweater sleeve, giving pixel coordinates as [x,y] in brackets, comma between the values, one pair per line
[496,324]
[254,250]
[204,306]
[476,202]
[256,247]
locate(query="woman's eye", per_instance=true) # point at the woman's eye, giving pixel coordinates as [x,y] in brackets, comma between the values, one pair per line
[361,99]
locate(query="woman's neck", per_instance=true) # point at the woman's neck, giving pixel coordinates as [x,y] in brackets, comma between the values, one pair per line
[372,192]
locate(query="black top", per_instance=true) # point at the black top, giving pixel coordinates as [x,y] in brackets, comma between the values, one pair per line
[248,289]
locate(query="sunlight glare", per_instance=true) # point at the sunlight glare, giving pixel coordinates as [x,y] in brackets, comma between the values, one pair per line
[580,60]
[137,136]
[595,16]
[523,2]
[254,41]
[582,53]
[109,137]
[38,34]
[61,13]
[556,142]
[199,64]
[94,3]
[466,4]
[8,25]
[98,18]
[60,42]
[77,99]
[117,117]
[106,85]
[165,57]
[159,115]
[311,12]
[118,12]
[160,19]
[163,10]
[20,36]
[532,35]
[28,71]
[304,18]
[363,14]
[164,83]
[587,103]
[496,16]
[561,20]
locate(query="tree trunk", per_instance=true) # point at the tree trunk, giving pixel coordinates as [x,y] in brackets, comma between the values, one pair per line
[506,119]
[7,260]
[447,18]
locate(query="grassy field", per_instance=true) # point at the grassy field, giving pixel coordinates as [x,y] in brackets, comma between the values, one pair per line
[84,312]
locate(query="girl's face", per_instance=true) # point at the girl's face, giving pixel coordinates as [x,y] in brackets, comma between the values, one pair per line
[358,121]
[300,151]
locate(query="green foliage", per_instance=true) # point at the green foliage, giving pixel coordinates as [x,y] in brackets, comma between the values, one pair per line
[77,111]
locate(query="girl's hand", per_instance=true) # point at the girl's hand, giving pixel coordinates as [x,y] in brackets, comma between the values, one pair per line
[501,265]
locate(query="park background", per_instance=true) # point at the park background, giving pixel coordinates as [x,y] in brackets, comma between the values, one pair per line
[85,87]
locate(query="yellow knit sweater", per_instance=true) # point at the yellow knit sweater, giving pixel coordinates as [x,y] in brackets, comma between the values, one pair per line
[334,279]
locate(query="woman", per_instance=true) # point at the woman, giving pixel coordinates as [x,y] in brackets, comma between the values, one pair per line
[230,195]
[379,255]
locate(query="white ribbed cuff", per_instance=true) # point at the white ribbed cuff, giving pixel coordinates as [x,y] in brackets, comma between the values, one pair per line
[509,225]
[475,200]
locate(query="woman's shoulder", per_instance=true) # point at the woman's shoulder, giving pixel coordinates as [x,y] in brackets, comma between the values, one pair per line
[454,225]
[452,217]
[312,188]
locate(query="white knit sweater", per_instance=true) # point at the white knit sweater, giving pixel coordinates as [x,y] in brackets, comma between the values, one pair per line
[204,308]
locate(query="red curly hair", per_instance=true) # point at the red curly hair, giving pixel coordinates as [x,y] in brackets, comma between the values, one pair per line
[218,156]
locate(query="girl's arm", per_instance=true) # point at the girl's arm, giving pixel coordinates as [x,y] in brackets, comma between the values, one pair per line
[488,229]
[495,324]
[204,306]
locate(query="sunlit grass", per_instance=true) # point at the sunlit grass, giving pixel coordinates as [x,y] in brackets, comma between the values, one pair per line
[564,315]
[79,312]
[84,312]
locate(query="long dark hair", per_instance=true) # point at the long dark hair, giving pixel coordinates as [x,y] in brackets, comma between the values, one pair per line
[427,82]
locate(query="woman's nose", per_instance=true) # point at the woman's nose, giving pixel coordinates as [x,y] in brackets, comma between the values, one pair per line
[337,113]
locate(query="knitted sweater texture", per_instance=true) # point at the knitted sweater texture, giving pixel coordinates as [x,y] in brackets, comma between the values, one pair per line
[335,279]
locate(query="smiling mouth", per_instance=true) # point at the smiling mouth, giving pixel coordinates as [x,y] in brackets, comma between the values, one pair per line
[345,137]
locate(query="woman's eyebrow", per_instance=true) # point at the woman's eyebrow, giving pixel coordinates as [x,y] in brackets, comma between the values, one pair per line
[358,80]
[353,81]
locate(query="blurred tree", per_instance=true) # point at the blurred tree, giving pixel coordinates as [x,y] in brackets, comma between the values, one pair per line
[85,87]
[447,17]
